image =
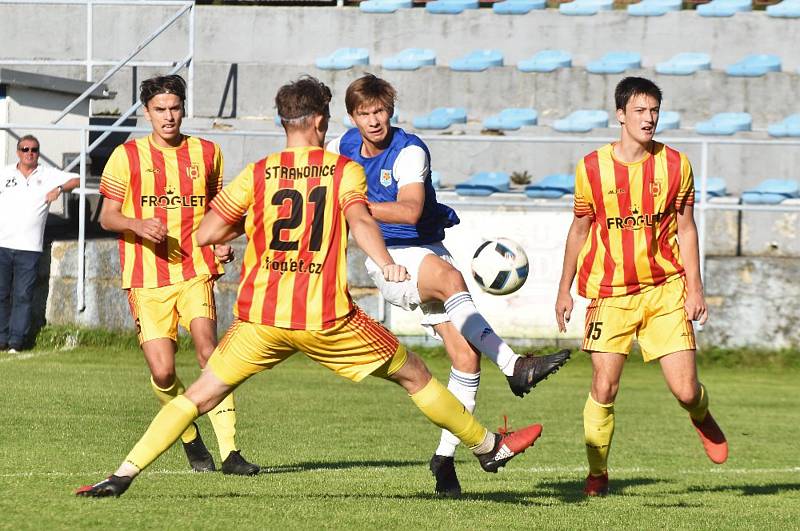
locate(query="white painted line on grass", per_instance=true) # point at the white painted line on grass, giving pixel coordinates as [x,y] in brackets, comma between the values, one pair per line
[28,355]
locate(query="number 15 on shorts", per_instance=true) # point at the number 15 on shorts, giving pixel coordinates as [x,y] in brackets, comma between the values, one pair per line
[593,330]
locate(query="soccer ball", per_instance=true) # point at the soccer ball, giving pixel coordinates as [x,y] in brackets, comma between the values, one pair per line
[500,266]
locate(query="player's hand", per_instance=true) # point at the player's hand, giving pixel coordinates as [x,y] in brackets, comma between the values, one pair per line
[224,253]
[395,273]
[696,308]
[52,195]
[564,304]
[152,229]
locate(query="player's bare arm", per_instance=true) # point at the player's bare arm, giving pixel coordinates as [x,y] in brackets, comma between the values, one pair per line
[695,304]
[407,209]
[578,232]
[112,219]
[369,238]
[214,230]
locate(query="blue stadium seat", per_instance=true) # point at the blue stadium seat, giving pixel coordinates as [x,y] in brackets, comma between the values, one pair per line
[384,6]
[668,120]
[344,58]
[771,192]
[552,186]
[441,118]
[477,61]
[724,8]
[436,179]
[518,7]
[410,59]
[789,126]
[582,121]
[684,64]
[614,63]
[755,65]
[585,7]
[450,7]
[484,183]
[654,8]
[715,187]
[546,61]
[725,123]
[511,119]
[785,9]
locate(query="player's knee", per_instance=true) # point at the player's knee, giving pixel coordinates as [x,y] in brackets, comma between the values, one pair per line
[163,377]
[687,395]
[604,391]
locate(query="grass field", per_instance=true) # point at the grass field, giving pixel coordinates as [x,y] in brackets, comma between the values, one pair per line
[344,455]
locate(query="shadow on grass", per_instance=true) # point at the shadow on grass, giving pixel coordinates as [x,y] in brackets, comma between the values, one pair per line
[571,491]
[751,490]
[340,465]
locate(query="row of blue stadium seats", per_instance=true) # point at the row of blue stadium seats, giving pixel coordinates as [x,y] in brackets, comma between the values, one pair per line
[645,8]
[555,186]
[584,120]
[687,63]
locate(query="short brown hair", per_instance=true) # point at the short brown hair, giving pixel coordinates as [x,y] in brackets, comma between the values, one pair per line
[370,89]
[27,137]
[634,86]
[154,86]
[301,99]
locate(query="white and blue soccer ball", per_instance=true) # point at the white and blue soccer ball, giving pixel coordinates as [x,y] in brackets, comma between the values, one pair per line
[500,266]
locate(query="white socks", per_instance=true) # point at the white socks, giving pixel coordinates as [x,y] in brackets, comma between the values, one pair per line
[464,387]
[465,317]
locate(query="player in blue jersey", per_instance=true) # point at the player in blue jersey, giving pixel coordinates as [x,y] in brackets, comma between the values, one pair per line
[403,201]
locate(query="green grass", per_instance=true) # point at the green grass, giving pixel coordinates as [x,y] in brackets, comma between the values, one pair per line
[344,455]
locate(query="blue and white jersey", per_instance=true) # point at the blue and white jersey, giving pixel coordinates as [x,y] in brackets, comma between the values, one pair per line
[406,160]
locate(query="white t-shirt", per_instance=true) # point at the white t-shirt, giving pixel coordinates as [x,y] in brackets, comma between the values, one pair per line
[410,166]
[24,207]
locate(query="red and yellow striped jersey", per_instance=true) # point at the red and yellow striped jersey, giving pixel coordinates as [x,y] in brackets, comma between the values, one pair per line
[294,271]
[633,244]
[174,185]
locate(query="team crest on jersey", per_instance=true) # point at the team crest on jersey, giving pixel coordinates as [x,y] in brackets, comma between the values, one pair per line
[386,177]
[193,171]
[655,187]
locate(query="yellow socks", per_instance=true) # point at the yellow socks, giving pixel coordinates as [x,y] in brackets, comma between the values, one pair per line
[698,411]
[598,429]
[223,418]
[444,410]
[165,429]
[166,395]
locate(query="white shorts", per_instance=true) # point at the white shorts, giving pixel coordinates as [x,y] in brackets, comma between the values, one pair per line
[406,294]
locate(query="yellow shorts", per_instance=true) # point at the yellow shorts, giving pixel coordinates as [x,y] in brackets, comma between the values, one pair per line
[355,347]
[656,317]
[158,311]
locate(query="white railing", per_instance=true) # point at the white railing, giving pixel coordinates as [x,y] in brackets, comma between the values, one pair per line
[507,200]
[89,62]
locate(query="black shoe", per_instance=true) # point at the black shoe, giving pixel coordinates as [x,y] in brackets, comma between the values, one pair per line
[199,457]
[238,465]
[508,445]
[530,370]
[112,486]
[444,470]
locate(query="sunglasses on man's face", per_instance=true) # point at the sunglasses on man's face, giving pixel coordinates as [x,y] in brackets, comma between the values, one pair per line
[28,148]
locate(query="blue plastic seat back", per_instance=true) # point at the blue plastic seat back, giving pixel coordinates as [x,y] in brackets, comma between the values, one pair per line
[715,187]
[518,7]
[552,186]
[450,7]
[771,192]
[485,183]
[755,65]
[585,7]
[668,120]
[582,121]
[511,119]
[546,61]
[724,8]
[410,59]
[785,9]
[441,118]
[384,6]
[684,64]
[615,63]
[725,123]
[478,60]
[436,179]
[344,58]
[789,126]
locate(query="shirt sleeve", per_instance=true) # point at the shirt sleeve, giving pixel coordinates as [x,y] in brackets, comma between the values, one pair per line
[353,188]
[410,166]
[116,176]
[685,195]
[333,145]
[236,198]
[583,204]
